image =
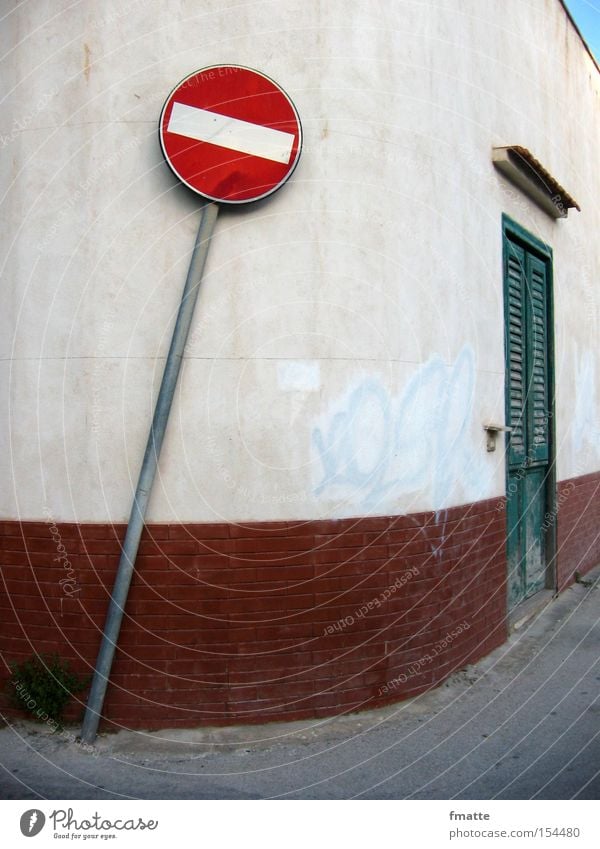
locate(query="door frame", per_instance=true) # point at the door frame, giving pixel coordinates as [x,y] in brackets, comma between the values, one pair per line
[513,231]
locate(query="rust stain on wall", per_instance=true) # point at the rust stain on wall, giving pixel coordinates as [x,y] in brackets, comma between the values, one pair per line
[86,62]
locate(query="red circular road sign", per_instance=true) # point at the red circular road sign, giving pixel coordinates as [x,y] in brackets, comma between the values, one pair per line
[230,133]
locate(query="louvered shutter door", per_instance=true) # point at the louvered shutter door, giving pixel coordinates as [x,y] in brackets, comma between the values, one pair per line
[516,352]
[537,373]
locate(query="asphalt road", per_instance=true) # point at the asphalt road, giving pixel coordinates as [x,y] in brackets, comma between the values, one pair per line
[523,723]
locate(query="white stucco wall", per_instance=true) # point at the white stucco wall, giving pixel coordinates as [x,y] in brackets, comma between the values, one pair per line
[348,340]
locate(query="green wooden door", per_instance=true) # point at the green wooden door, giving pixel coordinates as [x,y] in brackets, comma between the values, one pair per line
[527,281]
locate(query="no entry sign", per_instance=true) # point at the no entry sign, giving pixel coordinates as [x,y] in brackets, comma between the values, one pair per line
[230,133]
[233,136]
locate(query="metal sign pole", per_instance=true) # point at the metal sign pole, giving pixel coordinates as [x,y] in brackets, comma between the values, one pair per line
[135,527]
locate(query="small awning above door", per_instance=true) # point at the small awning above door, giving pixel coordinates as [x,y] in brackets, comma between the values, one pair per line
[522,168]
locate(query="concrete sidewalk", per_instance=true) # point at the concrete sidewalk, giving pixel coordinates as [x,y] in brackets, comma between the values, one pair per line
[523,723]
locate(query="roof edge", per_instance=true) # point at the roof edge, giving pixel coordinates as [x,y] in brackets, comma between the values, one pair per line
[579,33]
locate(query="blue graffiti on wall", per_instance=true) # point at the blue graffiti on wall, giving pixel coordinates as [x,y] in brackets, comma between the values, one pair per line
[375,446]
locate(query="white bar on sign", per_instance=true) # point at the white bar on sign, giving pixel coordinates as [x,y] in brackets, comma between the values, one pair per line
[205,126]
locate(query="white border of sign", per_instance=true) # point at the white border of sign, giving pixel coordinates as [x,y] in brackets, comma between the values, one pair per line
[210,197]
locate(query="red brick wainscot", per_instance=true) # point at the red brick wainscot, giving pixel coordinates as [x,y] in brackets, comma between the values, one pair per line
[237,623]
[578,527]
